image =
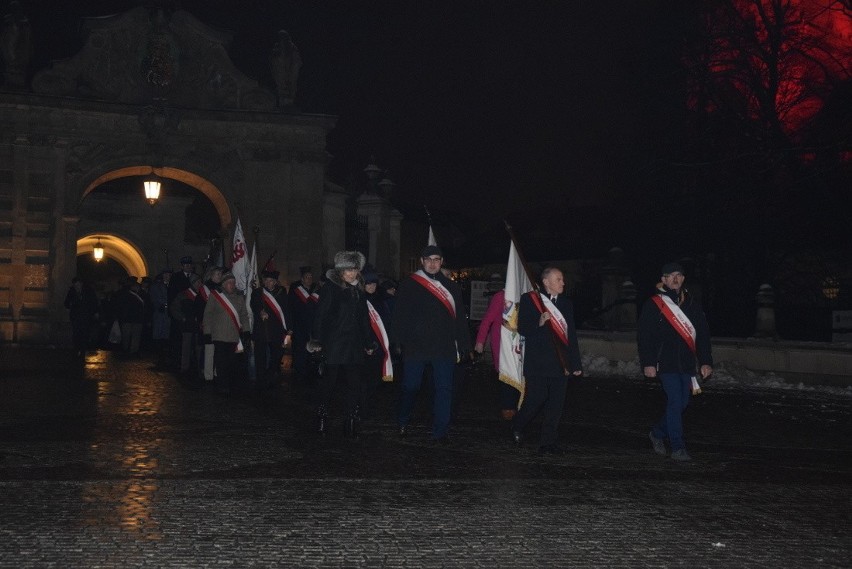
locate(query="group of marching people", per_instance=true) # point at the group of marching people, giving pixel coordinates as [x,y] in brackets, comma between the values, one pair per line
[347,329]
[356,337]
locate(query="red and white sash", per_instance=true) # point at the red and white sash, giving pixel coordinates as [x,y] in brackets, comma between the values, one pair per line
[379,329]
[204,291]
[675,316]
[189,293]
[232,312]
[557,320]
[270,301]
[303,294]
[315,296]
[438,290]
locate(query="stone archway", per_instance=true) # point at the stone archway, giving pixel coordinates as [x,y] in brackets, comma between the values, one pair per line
[206,187]
[117,248]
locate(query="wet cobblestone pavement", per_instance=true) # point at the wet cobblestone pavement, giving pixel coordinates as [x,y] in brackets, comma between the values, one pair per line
[127,467]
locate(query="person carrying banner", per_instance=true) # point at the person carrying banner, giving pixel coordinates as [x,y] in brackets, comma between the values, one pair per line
[342,333]
[491,325]
[272,328]
[551,356]
[429,325]
[226,321]
[674,340]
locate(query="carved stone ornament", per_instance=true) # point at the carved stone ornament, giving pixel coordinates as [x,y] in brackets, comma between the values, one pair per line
[145,56]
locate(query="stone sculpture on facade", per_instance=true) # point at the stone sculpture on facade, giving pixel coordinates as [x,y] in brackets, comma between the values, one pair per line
[285,63]
[16,46]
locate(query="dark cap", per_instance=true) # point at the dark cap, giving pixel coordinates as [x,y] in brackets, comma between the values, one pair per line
[670,268]
[370,277]
[305,269]
[430,250]
[270,275]
[186,260]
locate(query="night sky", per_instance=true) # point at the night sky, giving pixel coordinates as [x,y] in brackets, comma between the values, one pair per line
[469,105]
[569,119]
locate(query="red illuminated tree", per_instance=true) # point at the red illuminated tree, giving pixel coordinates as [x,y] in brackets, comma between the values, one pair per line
[769,65]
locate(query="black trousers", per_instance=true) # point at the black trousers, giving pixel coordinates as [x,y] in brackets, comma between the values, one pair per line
[547,394]
[357,385]
[225,362]
[268,361]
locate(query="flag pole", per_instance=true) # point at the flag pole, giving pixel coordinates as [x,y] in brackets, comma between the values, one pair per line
[534,282]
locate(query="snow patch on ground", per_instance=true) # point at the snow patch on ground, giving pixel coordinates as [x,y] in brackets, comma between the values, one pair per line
[724,375]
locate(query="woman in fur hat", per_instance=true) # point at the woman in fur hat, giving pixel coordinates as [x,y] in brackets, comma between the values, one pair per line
[341,332]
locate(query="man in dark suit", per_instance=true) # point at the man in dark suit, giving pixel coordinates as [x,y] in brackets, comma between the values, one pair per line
[430,325]
[551,357]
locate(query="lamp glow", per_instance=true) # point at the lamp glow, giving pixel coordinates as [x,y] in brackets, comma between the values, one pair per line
[152,191]
[98,251]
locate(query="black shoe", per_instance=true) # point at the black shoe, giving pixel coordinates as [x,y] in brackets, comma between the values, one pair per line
[518,438]
[550,449]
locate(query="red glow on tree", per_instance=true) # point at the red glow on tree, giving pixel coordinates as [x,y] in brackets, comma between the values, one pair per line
[772,62]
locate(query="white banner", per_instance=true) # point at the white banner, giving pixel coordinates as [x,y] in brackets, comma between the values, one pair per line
[239,259]
[511,343]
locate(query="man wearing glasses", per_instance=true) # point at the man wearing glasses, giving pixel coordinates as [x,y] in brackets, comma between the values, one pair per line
[430,326]
[674,345]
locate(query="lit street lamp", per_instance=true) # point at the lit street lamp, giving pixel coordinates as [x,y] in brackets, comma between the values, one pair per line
[98,251]
[152,190]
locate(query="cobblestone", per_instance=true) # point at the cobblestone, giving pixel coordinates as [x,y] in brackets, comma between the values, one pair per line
[125,467]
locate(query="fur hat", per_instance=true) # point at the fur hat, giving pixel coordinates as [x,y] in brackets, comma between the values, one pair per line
[670,268]
[349,260]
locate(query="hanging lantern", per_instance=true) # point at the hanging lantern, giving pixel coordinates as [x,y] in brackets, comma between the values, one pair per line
[152,190]
[98,251]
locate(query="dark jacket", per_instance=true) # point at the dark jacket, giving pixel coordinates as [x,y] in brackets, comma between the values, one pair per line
[662,347]
[184,311]
[342,323]
[422,325]
[302,311]
[540,356]
[82,306]
[270,330]
[129,307]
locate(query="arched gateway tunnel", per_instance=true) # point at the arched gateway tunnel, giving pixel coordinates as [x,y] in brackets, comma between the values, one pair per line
[79,139]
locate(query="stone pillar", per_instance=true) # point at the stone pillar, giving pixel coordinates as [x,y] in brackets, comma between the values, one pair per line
[377,210]
[333,223]
[395,244]
[64,268]
[627,306]
[613,274]
[765,324]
